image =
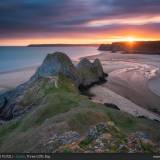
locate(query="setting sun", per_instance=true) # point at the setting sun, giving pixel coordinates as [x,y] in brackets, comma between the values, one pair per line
[130,39]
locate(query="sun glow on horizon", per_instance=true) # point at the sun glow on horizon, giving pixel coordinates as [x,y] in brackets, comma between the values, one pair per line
[78,40]
[130,39]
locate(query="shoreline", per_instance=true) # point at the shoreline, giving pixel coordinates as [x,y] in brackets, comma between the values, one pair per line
[130,78]
[154,84]
[127,78]
[103,95]
[19,69]
[133,85]
[11,79]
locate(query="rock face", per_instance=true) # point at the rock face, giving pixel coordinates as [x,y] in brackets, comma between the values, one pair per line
[96,131]
[9,99]
[66,138]
[56,64]
[98,68]
[90,72]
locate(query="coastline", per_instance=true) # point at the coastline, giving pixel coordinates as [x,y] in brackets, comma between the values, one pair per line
[103,95]
[19,69]
[11,79]
[154,84]
[132,83]
[131,80]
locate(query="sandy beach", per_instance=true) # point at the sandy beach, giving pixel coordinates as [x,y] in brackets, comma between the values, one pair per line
[11,79]
[135,77]
[104,95]
[154,85]
[132,83]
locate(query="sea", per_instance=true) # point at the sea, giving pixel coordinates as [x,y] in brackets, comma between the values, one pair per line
[13,58]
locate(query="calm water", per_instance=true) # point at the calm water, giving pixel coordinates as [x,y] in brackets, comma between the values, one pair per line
[12,58]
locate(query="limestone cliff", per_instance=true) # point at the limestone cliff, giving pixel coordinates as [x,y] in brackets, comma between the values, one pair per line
[55,67]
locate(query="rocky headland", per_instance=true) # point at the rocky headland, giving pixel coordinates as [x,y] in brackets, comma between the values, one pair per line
[48,113]
[54,67]
[61,45]
[139,47]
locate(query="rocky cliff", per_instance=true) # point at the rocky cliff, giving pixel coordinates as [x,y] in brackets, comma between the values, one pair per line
[54,67]
[90,72]
[57,64]
[144,47]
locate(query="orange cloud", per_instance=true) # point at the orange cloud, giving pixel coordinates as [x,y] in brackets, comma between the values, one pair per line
[128,21]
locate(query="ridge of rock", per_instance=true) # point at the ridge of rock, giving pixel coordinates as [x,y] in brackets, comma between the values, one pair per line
[56,64]
[90,72]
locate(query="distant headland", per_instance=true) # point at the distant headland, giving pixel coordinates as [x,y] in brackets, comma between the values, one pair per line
[61,45]
[137,47]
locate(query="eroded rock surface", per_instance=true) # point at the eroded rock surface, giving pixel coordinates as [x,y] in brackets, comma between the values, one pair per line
[90,72]
[54,67]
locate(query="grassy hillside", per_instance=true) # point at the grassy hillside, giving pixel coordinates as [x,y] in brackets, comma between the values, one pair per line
[59,119]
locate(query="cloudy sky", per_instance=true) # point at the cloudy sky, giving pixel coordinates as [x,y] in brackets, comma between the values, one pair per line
[78,21]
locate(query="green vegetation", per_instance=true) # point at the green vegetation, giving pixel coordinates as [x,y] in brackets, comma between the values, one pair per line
[8,128]
[67,150]
[64,109]
[84,118]
[55,103]
[84,143]
[45,86]
[148,148]
[67,84]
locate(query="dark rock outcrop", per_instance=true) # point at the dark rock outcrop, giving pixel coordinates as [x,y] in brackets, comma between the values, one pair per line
[8,101]
[90,72]
[98,68]
[110,105]
[105,47]
[56,64]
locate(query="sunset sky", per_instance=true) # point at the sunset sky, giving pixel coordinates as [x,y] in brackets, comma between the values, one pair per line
[25,22]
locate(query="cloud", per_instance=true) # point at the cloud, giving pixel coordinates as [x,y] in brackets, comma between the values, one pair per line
[25,18]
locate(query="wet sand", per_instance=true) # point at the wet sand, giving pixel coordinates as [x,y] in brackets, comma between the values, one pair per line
[104,95]
[134,77]
[132,83]
[11,79]
[154,85]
